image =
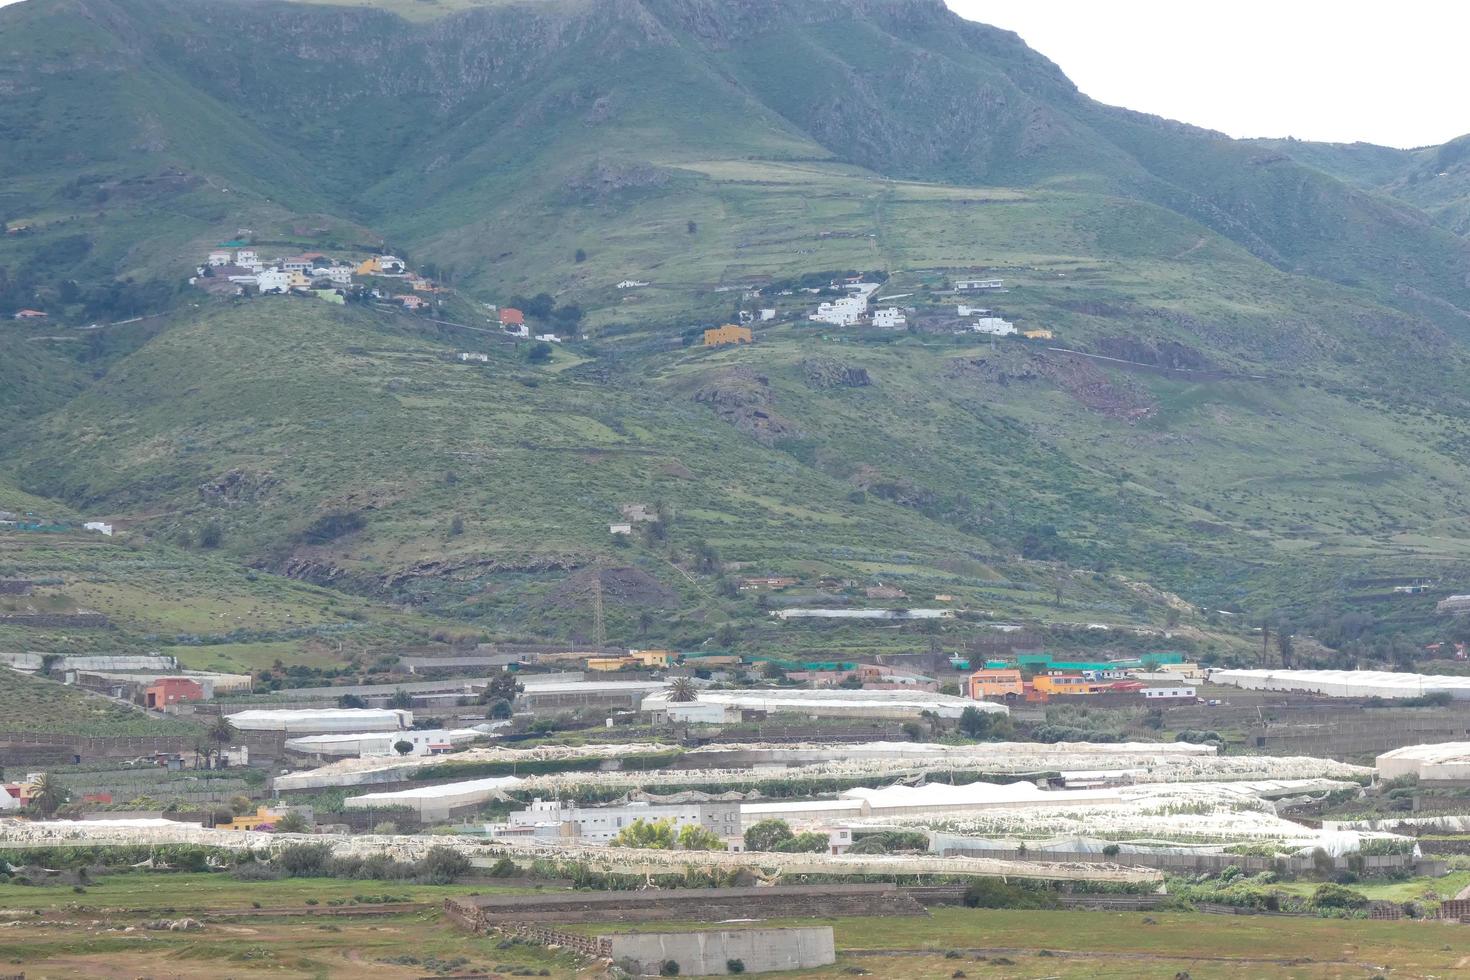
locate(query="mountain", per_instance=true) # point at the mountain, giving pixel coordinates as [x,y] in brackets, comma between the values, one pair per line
[1435,179]
[1253,395]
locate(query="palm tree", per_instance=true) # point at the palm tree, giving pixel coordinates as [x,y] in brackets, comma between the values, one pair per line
[682,691]
[221,733]
[47,794]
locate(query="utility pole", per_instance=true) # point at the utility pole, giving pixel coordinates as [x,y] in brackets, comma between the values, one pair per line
[598,629]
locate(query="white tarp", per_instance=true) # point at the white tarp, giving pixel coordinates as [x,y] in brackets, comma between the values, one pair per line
[1345,683]
[308,721]
[837,703]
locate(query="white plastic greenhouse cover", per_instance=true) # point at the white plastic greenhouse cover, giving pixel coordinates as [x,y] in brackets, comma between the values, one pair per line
[312,720]
[450,794]
[1345,683]
[835,701]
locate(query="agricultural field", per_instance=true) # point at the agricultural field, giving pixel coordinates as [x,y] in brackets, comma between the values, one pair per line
[31,704]
[67,932]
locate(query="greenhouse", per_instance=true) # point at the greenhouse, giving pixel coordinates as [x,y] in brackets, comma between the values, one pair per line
[1345,683]
[319,720]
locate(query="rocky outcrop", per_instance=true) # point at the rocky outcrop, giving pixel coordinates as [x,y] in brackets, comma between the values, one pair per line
[828,372]
[744,399]
[238,487]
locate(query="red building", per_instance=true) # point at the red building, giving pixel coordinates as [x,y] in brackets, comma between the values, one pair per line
[171,690]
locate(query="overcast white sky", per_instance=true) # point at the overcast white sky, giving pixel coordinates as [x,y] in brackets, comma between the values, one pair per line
[1336,70]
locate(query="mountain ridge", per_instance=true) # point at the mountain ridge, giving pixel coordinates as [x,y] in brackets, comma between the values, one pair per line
[564,147]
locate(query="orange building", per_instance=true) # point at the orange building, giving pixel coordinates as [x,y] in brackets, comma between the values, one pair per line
[728,334]
[1052,685]
[996,684]
[168,691]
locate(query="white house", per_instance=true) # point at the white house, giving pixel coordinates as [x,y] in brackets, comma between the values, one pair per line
[1151,693]
[631,284]
[890,318]
[971,285]
[963,310]
[273,281]
[338,275]
[549,338]
[519,330]
[246,257]
[99,526]
[767,315]
[746,316]
[219,258]
[620,529]
[390,265]
[994,326]
[471,356]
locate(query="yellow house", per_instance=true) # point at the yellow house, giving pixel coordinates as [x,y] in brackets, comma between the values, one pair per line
[728,334]
[651,658]
[298,280]
[609,663]
[368,268]
[1037,333]
[251,821]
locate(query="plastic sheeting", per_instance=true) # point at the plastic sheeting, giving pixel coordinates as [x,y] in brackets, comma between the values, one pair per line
[838,703]
[1345,683]
[319,720]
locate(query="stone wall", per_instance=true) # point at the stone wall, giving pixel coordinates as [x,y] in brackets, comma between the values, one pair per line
[708,953]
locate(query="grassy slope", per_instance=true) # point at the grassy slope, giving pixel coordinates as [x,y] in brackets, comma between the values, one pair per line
[1122,229]
[34,705]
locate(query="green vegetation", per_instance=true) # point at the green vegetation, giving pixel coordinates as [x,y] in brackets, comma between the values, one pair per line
[34,704]
[663,835]
[1275,393]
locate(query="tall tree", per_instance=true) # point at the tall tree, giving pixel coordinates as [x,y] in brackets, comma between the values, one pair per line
[47,795]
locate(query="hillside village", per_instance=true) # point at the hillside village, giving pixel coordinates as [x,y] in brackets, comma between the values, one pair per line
[236,269]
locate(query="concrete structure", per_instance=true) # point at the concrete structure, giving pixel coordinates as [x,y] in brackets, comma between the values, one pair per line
[730,333]
[709,953]
[600,824]
[322,720]
[889,318]
[975,285]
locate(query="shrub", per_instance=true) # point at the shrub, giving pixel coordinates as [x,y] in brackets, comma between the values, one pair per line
[304,860]
[669,968]
[994,893]
[734,966]
[1332,896]
[257,871]
[443,865]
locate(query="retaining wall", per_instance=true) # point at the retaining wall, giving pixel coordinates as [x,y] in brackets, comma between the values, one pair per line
[707,953]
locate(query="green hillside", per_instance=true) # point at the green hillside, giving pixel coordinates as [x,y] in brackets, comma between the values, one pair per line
[1252,395]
